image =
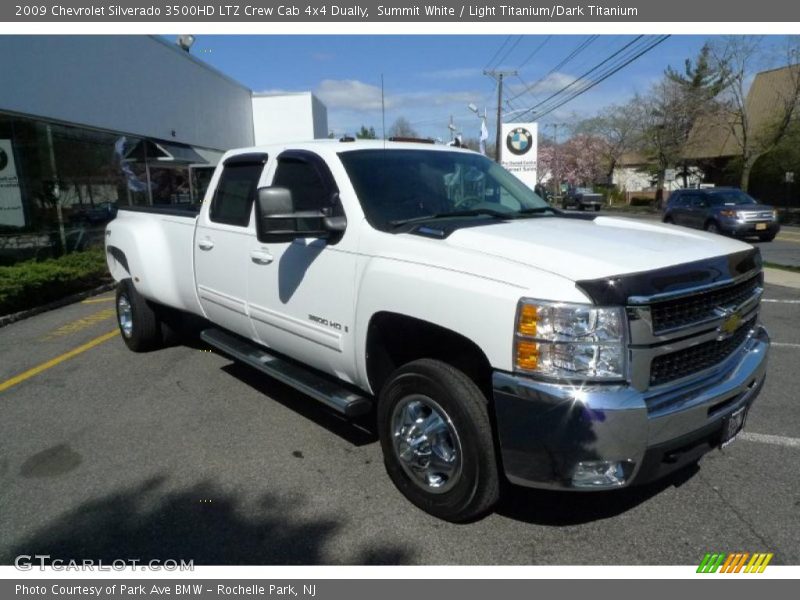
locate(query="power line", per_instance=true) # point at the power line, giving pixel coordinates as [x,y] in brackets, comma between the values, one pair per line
[497,53]
[624,61]
[534,53]
[507,52]
[575,52]
[589,72]
[589,84]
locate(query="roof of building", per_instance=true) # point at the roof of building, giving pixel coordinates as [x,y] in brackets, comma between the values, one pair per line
[717,135]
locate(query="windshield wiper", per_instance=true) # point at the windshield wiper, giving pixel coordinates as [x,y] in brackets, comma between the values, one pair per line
[458,213]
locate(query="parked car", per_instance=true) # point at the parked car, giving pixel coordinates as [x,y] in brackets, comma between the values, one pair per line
[582,198]
[485,333]
[724,210]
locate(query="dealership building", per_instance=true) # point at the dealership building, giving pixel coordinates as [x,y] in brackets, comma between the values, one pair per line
[91,122]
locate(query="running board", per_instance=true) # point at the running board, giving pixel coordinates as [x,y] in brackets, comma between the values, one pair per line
[333,395]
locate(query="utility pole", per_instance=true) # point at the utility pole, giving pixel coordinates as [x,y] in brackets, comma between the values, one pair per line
[498,76]
[557,169]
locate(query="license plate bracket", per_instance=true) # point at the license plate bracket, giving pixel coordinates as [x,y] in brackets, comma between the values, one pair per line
[732,426]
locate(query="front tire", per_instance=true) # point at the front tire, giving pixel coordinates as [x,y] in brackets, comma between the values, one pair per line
[712,227]
[137,321]
[437,440]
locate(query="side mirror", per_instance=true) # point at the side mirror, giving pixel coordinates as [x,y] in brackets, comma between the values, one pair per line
[277,219]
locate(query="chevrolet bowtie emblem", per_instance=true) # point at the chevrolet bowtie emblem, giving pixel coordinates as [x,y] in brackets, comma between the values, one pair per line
[729,326]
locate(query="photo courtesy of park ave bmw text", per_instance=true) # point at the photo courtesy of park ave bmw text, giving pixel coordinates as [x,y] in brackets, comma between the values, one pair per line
[399,295]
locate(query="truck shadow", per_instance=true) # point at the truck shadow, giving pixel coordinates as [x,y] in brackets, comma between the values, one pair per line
[552,508]
[358,432]
[200,523]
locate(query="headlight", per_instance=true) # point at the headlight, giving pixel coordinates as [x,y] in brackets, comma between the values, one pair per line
[774,215]
[572,341]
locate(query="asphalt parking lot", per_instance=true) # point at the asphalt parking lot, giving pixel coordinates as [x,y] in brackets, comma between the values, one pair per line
[181,453]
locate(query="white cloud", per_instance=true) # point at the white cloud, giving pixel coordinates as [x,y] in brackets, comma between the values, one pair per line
[550,84]
[349,94]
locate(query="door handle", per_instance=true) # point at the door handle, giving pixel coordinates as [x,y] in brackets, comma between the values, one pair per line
[261,258]
[205,244]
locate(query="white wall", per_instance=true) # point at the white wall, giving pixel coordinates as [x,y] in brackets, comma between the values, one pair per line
[140,85]
[630,179]
[288,118]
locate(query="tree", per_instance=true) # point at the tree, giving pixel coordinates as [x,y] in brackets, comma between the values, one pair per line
[402,128]
[582,160]
[698,85]
[754,134]
[545,162]
[366,134]
[618,127]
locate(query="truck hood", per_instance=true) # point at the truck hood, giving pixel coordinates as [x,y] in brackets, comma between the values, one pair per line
[588,249]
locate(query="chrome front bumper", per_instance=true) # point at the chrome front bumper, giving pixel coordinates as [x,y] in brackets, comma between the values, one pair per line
[546,429]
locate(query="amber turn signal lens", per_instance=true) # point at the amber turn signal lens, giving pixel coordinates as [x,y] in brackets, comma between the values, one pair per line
[527,355]
[528,318]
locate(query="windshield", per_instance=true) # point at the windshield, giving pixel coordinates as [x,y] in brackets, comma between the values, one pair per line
[395,186]
[731,198]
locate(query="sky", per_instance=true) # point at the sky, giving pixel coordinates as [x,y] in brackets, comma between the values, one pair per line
[428,79]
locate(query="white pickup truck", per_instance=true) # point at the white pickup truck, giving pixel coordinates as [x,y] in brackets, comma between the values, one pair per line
[488,334]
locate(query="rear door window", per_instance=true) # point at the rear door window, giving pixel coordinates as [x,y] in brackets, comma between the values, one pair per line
[236,190]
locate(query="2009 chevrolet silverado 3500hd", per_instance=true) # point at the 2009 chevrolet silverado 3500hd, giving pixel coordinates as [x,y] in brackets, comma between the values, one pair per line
[491,334]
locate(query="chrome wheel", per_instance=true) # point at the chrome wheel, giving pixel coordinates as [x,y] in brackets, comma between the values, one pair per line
[125,316]
[426,443]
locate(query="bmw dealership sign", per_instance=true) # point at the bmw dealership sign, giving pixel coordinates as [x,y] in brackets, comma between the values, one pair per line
[519,150]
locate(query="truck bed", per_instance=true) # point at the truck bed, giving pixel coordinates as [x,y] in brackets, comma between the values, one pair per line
[154,246]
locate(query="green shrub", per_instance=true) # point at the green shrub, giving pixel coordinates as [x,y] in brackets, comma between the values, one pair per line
[33,283]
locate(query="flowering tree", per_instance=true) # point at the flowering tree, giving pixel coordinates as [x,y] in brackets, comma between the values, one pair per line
[582,160]
[545,164]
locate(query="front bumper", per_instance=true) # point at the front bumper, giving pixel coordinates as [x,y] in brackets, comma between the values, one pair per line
[546,429]
[743,229]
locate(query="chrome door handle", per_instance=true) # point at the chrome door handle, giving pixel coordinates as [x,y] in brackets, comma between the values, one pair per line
[205,244]
[261,258]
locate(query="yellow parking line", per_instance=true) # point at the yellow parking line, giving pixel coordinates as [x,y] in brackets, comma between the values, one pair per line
[783,239]
[96,300]
[57,360]
[82,323]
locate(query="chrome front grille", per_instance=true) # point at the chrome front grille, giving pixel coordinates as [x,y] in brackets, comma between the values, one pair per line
[694,359]
[704,306]
[756,215]
[676,337]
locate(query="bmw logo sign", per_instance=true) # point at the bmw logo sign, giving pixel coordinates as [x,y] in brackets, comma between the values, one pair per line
[519,141]
[3,159]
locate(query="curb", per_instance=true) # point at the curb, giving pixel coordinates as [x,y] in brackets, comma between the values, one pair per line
[783,278]
[24,314]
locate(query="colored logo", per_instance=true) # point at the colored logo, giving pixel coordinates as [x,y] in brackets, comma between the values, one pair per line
[736,562]
[731,324]
[519,141]
[3,159]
